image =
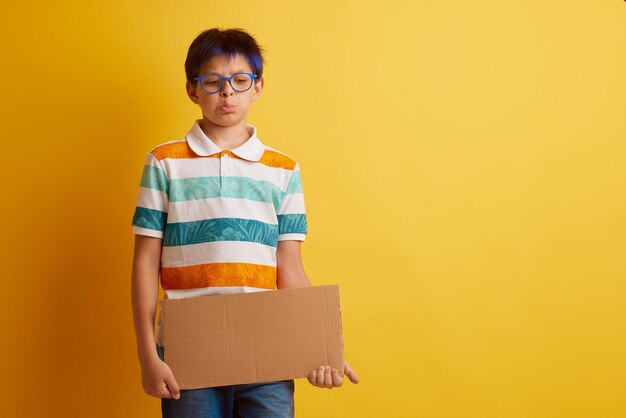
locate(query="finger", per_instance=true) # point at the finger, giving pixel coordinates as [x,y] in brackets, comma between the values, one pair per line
[337,379]
[162,391]
[173,386]
[351,374]
[312,377]
[328,380]
[320,377]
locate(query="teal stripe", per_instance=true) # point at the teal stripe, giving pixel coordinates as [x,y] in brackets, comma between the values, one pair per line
[221,229]
[153,178]
[232,186]
[295,183]
[293,223]
[149,218]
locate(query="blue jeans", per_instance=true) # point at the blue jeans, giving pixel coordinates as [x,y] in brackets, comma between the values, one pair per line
[262,400]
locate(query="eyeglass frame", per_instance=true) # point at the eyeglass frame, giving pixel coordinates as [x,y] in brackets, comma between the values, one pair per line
[229,79]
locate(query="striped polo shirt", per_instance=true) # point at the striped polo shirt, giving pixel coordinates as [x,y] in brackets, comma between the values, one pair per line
[219,212]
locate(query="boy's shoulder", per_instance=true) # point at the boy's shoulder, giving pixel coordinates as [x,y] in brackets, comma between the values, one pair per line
[170,149]
[282,159]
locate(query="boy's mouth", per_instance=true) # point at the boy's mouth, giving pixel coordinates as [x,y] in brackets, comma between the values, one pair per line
[227,108]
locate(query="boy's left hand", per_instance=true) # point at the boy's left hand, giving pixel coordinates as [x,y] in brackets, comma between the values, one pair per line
[327,377]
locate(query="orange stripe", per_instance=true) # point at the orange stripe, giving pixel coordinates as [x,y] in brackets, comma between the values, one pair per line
[174,150]
[218,274]
[278,160]
[181,150]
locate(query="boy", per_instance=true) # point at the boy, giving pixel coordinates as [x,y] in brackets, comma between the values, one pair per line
[218,212]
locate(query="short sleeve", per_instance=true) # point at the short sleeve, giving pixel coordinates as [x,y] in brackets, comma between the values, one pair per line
[150,215]
[291,214]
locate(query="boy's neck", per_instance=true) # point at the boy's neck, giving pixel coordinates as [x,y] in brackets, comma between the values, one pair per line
[226,137]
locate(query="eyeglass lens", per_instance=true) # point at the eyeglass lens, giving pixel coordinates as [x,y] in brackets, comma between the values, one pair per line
[239,82]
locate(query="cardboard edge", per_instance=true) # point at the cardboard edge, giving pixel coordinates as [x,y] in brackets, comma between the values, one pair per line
[163,315]
[334,289]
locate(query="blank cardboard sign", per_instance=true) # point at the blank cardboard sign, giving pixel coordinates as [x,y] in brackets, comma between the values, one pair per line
[255,337]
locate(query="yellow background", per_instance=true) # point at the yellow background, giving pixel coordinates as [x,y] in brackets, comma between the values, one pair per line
[464,174]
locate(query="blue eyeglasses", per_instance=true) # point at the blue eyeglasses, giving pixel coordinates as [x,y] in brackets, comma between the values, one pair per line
[213,83]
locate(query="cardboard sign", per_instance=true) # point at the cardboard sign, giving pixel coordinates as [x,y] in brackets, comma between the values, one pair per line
[255,337]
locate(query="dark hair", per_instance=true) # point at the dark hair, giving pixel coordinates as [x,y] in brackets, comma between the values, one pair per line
[229,42]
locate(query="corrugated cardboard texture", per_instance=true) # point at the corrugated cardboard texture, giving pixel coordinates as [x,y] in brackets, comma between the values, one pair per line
[281,334]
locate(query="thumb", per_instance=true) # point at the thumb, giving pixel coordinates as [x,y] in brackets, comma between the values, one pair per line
[172,386]
[351,374]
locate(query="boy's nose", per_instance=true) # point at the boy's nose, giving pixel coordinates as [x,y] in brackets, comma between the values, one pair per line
[227,90]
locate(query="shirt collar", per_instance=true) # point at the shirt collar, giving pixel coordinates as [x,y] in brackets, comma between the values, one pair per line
[202,145]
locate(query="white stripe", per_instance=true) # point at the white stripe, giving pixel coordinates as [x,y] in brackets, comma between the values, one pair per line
[152,199]
[146,231]
[292,203]
[294,237]
[218,252]
[216,290]
[153,161]
[182,168]
[221,207]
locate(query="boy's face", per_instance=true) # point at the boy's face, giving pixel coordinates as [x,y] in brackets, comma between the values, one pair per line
[212,105]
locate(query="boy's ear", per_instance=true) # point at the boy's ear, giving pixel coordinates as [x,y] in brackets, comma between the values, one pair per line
[191,92]
[258,88]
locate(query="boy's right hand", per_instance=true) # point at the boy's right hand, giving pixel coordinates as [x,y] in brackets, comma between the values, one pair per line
[158,380]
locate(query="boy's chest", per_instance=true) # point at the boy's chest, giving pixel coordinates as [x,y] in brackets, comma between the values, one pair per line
[212,181]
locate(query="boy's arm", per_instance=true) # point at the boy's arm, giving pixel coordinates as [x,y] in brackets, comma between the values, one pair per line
[145,293]
[290,273]
[156,376]
[289,269]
